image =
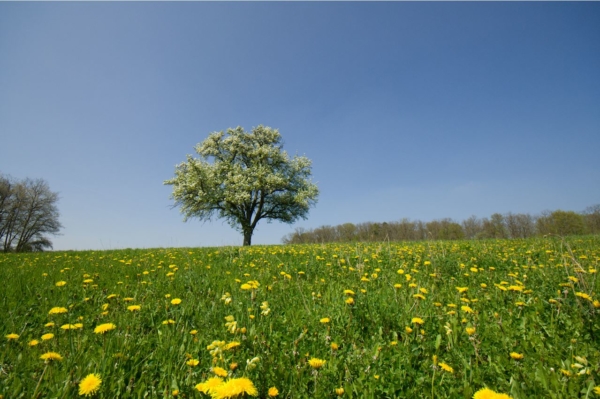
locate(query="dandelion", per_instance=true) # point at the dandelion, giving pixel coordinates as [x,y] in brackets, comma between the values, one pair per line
[57,310]
[446,367]
[193,362]
[417,320]
[273,391]
[34,342]
[60,283]
[484,393]
[470,330]
[584,296]
[408,329]
[194,332]
[462,289]
[466,309]
[348,292]
[134,308]
[209,385]
[234,388]
[597,390]
[51,324]
[350,301]
[12,337]
[175,301]
[316,363]
[516,356]
[47,337]
[334,346]
[221,372]
[102,328]
[90,384]
[50,356]
[325,320]
[339,391]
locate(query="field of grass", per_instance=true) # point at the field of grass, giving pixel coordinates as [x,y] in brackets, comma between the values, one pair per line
[389,320]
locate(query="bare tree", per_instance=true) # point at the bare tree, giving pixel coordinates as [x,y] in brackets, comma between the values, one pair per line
[28,212]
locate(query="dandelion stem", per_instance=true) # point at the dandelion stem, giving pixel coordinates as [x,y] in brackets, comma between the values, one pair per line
[39,382]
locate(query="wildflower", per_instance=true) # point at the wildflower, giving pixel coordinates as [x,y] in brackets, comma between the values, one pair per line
[350,301]
[90,384]
[485,393]
[169,321]
[134,308]
[462,289]
[102,328]
[232,345]
[316,363]
[111,296]
[334,346]
[192,362]
[233,388]
[273,391]
[447,368]
[583,295]
[57,310]
[34,342]
[233,366]
[246,287]
[48,336]
[516,356]
[60,283]
[175,301]
[51,324]
[395,286]
[417,320]
[339,391]
[597,390]
[470,330]
[209,385]
[408,329]
[418,296]
[221,372]
[325,320]
[49,356]
[194,332]
[348,292]
[466,309]
[12,336]
[128,299]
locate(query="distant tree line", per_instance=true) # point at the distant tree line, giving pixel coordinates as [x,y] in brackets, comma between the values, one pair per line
[28,213]
[509,225]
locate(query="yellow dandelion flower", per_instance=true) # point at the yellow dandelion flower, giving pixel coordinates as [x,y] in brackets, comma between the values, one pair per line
[516,356]
[102,328]
[90,384]
[194,332]
[466,309]
[334,346]
[484,393]
[193,362]
[50,356]
[350,301]
[273,391]
[60,283]
[339,391]
[470,330]
[134,308]
[348,292]
[583,295]
[51,324]
[417,320]
[221,372]
[316,363]
[325,320]
[175,301]
[597,390]
[209,385]
[34,342]
[408,329]
[57,310]
[446,367]
[48,336]
[233,388]
[12,337]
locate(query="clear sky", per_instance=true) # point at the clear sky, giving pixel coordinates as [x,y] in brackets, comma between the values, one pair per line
[416,110]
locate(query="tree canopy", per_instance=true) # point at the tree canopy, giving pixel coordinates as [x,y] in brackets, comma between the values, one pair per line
[244,177]
[28,212]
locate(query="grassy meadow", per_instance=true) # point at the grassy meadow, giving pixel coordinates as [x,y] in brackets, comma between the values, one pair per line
[377,320]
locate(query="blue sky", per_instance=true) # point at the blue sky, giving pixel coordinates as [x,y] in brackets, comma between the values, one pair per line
[416,110]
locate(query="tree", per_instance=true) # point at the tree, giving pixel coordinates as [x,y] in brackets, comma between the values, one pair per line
[28,211]
[244,177]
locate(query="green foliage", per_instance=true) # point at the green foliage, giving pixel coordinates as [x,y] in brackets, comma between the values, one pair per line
[534,297]
[250,178]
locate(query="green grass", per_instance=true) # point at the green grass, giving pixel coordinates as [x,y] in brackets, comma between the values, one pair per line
[540,317]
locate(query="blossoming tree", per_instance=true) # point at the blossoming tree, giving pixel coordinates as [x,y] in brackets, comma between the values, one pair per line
[244,177]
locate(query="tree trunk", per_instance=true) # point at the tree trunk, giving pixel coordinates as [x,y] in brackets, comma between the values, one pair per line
[248,236]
